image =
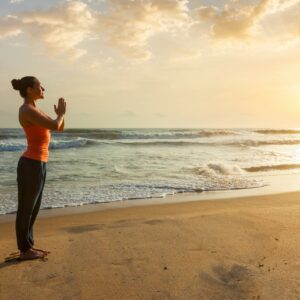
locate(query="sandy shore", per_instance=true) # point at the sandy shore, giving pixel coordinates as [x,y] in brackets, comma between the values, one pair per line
[242,248]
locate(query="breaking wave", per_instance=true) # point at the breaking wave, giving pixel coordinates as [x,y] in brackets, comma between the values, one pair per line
[278,131]
[272,167]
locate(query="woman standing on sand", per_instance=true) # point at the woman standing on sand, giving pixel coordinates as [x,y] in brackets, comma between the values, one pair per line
[31,171]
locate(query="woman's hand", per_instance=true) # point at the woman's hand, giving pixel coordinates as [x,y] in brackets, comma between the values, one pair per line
[60,110]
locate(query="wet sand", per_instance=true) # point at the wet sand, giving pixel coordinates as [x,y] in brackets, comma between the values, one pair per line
[240,248]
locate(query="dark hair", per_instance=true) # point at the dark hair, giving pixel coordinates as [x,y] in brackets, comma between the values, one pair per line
[22,84]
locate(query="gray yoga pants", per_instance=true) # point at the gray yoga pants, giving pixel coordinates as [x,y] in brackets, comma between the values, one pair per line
[31,176]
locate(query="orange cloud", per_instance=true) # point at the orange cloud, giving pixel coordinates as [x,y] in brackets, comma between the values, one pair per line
[234,21]
[126,25]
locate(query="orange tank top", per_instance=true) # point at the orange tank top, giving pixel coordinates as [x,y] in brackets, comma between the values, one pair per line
[38,140]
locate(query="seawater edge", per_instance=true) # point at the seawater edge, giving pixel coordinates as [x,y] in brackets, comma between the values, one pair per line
[277,184]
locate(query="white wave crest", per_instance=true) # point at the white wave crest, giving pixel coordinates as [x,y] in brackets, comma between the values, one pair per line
[64,144]
[213,169]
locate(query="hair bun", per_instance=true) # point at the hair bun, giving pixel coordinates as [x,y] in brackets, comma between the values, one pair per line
[16,83]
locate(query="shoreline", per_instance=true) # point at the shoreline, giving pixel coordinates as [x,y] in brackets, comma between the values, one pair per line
[278,184]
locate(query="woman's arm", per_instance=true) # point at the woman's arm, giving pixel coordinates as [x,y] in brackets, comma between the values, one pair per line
[61,127]
[35,116]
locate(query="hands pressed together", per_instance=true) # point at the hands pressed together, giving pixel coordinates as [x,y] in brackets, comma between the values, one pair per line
[60,109]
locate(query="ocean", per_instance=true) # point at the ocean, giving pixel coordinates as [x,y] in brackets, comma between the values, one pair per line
[104,165]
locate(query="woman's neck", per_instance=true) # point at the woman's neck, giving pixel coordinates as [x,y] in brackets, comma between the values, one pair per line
[29,101]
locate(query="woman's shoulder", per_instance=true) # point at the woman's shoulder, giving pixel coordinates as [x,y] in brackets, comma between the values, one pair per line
[25,107]
[24,111]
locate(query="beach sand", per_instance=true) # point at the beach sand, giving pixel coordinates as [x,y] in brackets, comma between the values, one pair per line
[240,248]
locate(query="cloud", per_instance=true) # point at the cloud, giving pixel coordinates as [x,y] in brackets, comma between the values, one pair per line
[240,21]
[234,20]
[276,6]
[126,25]
[61,29]
[9,27]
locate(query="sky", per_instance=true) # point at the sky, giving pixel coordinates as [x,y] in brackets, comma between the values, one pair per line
[155,63]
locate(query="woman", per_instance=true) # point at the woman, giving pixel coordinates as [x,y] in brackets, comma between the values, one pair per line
[31,170]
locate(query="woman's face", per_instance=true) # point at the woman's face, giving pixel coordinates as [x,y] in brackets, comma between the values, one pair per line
[37,92]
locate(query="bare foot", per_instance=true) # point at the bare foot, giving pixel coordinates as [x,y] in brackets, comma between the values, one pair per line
[31,254]
[41,250]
